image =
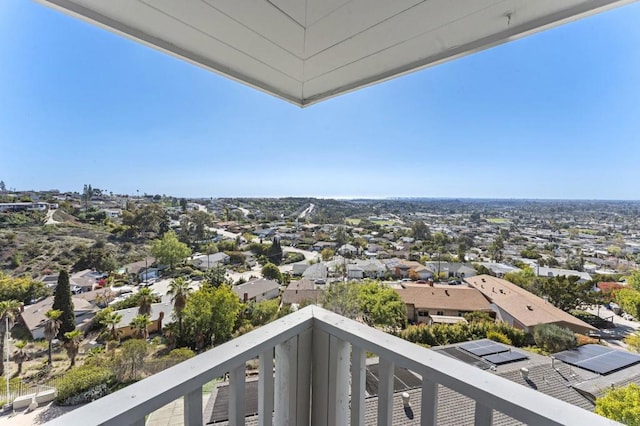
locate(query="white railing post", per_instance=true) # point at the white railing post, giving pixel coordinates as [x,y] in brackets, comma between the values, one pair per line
[483,415]
[385,392]
[237,395]
[320,378]
[338,390]
[358,382]
[193,407]
[285,382]
[429,403]
[265,388]
[303,405]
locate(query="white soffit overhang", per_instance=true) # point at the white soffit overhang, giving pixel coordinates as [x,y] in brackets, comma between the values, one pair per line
[305,51]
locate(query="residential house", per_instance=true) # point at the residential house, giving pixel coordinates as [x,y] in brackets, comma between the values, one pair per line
[160,316]
[257,290]
[204,261]
[452,269]
[316,272]
[298,268]
[543,271]
[429,305]
[522,309]
[347,250]
[301,291]
[33,316]
[499,269]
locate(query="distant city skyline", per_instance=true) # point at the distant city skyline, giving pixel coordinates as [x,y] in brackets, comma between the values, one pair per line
[550,116]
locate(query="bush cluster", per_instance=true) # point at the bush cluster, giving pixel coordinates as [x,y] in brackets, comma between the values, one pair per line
[553,338]
[85,380]
[444,334]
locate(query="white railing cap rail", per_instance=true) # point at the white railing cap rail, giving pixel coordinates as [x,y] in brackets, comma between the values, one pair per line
[135,401]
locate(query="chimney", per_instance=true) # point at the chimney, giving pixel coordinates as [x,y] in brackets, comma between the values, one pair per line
[405,399]
[245,297]
[524,371]
[160,318]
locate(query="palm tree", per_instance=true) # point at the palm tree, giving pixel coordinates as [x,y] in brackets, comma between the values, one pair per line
[72,345]
[111,320]
[51,328]
[20,355]
[140,325]
[179,290]
[145,299]
[8,311]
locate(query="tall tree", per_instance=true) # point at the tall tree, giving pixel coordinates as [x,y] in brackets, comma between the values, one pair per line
[179,291]
[145,300]
[169,250]
[111,321]
[62,302]
[72,345]
[274,252]
[20,355]
[8,312]
[420,231]
[140,325]
[3,187]
[51,329]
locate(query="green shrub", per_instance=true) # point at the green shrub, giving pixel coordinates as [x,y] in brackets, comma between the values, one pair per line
[81,380]
[444,334]
[553,338]
[496,336]
[181,354]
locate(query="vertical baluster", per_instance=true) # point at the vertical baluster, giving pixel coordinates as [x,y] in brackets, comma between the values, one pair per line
[303,408]
[236,395]
[193,407]
[320,378]
[338,407]
[265,388]
[285,382]
[484,415]
[385,392]
[429,403]
[358,381]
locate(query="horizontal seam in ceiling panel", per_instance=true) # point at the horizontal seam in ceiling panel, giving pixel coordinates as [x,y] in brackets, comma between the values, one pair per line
[254,31]
[328,13]
[85,14]
[365,29]
[405,40]
[223,42]
[575,12]
[286,14]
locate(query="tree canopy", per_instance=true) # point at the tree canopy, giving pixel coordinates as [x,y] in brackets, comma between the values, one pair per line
[209,316]
[23,289]
[371,301]
[169,250]
[271,272]
[621,404]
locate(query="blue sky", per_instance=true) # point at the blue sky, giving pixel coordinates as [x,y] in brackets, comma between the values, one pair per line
[554,115]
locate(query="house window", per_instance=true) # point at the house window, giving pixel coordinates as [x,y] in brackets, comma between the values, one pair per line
[440,313]
[423,313]
[460,313]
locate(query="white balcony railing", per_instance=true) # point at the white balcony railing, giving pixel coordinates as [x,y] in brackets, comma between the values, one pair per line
[319,379]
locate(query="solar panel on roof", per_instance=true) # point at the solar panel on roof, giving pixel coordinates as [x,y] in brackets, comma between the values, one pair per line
[483,347]
[505,357]
[599,359]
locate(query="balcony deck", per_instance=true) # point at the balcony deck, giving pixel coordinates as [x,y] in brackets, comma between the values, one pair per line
[312,371]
